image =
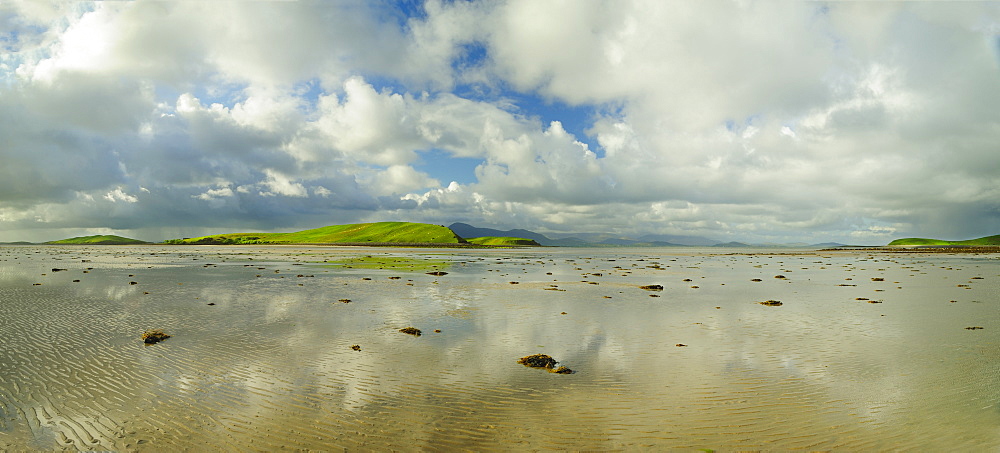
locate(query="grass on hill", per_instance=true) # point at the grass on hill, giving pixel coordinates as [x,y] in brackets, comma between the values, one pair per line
[501,241]
[988,240]
[380,232]
[99,240]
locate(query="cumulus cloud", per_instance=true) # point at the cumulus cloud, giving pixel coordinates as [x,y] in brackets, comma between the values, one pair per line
[751,121]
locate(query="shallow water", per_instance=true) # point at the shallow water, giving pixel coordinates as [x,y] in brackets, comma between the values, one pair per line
[269,366]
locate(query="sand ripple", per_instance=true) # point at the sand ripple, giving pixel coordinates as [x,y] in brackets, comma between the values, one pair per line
[269,366]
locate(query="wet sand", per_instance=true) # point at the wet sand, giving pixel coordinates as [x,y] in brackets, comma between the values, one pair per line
[868,350]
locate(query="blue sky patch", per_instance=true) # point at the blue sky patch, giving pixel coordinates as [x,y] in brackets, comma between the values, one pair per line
[441,166]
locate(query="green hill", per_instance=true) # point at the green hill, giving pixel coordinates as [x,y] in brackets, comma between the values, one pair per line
[381,232]
[501,241]
[99,240]
[984,241]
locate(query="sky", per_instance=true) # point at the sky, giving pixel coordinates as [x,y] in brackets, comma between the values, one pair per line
[737,120]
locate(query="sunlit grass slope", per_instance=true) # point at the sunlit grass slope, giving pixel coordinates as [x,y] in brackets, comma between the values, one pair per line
[381,232]
[501,241]
[988,240]
[99,239]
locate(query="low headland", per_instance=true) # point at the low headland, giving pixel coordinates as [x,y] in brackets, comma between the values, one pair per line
[923,242]
[988,244]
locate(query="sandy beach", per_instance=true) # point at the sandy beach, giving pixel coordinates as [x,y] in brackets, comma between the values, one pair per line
[868,349]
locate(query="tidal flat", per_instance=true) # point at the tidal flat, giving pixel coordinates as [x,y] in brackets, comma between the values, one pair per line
[296,348]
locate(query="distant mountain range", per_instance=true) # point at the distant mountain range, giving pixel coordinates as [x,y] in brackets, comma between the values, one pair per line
[608,240]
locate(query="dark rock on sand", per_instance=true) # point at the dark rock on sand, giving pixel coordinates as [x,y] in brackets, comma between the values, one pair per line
[154,336]
[411,331]
[544,361]
[538,361]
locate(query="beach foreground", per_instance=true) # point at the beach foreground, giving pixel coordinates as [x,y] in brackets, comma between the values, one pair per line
[275,348]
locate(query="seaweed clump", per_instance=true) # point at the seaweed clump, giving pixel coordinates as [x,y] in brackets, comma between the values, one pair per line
[544,361]
[411,330]
[771,303]
[153,336]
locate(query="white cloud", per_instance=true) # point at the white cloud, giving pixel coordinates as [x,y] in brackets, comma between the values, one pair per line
[278,184]
[119,195]
[728,119]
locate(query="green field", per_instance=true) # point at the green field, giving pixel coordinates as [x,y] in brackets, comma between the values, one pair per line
[984,241]
[501,241]
[375,233]
[99,240]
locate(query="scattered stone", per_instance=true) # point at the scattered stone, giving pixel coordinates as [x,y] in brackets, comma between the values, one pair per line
[411,331]
[153,336]
[563,370]
[974,328]
[76,281]
[356,347]
[133,283]
[780,276]
[680,345]
[437,330]
[878,279]
[771,303]
[652,287]
[346,301]
[756,280]
[438,273]
[57,269]
[210,303]
[874,301]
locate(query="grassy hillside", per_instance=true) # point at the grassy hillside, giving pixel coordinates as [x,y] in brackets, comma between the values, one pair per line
[381,232]
[99,240]
[501,241]
[988,240]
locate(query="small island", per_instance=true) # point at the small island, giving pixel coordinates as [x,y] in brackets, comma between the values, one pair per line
[379,233]
[98,240]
